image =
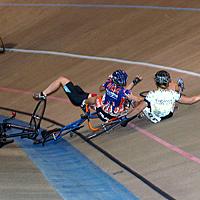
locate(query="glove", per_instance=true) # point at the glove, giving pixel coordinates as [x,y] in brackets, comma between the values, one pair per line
[110,76]
[180,83]
[137,79]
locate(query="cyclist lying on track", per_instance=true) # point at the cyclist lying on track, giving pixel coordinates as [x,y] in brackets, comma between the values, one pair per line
[159,104]
[117,96]
[114,102]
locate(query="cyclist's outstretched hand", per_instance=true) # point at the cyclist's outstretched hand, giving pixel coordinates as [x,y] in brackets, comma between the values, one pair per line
[137,79]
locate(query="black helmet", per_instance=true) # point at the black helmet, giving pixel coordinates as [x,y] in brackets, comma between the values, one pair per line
[162,78]
[119,77]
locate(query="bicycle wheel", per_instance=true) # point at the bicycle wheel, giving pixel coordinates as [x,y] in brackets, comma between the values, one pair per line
[2,46]
[37,115]
[144,93]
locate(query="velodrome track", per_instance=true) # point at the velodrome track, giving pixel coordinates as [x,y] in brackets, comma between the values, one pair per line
[167,154]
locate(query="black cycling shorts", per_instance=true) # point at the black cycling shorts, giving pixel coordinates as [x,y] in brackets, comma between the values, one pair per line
[75,93]
[168,116]
[103,115]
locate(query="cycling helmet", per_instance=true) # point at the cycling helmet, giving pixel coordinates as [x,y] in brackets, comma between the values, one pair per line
[119,77]
[162,78]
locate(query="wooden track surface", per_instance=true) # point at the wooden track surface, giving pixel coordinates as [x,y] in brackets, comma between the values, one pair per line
[162,37]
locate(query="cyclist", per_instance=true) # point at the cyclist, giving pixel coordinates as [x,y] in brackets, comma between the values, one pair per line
[112,103]
[159,104]
[117,97]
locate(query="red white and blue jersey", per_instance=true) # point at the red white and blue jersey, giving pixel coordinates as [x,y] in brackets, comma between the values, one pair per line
[114,99]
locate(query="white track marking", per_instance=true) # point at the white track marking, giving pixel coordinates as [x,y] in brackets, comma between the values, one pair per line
[117,60]
[95,57]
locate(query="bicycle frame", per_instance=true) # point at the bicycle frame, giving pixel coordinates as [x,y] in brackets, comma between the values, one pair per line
[25,130]
[32,131]
[69,128]
[72,128]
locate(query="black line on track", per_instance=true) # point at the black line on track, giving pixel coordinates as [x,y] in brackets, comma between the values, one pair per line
[107,154]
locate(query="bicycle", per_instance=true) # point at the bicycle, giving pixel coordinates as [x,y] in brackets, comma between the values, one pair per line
[72,128]
[31,131]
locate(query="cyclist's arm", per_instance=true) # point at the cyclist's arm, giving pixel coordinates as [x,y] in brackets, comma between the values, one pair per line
[102,87]
[138,109]
[130,86]
[189,100]
[135,98]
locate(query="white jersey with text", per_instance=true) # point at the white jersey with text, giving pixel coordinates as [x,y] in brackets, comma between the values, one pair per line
[160,104]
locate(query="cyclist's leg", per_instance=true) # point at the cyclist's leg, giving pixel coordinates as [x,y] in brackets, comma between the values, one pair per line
[75,93]
[91,100]
[76,97]
[79,89]
[53,87]
[134,111]
[135,98]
